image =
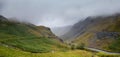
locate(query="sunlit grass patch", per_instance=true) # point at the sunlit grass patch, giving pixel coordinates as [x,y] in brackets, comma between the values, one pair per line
[101,54]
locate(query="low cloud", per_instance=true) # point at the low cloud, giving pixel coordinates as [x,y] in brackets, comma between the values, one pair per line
[57,13]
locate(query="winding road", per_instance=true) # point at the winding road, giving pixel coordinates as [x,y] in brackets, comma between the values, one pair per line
[97,50]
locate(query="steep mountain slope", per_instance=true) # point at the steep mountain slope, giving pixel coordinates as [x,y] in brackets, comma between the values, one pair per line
[97,32]
[28,37]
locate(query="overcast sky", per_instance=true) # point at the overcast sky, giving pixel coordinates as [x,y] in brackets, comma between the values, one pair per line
[57,13]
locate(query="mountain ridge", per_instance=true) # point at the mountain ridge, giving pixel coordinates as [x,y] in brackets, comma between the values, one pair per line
[106,27]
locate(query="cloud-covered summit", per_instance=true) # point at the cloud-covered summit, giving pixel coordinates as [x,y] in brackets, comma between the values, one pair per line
[57,13]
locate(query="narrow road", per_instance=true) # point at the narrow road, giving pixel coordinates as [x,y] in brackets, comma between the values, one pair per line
[97,50]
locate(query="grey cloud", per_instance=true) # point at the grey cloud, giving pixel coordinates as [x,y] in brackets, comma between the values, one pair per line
[1,5]
[59,13]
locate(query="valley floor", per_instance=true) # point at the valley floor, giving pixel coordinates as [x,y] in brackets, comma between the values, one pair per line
[10,52]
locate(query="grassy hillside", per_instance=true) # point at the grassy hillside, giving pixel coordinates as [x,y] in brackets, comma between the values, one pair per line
[99,32]
[28,37]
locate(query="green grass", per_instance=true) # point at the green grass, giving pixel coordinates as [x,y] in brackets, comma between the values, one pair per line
[33,44]
[37,44]
[15,29]
[10,52]
[100,54]
[113,46]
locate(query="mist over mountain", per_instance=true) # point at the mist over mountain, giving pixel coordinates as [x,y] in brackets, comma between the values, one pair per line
[59,31]
[57,13]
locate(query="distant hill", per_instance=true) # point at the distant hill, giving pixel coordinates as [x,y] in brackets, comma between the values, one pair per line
[28,37]
[97,32]
[59,31]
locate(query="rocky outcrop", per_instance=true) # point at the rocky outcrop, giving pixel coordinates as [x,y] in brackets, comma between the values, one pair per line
[102,35]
